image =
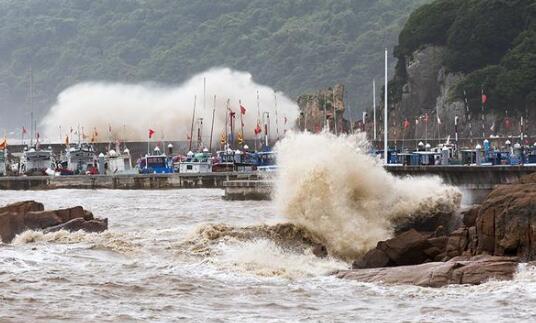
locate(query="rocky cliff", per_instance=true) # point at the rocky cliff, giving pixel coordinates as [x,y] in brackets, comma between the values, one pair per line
[468,61]
[323,109]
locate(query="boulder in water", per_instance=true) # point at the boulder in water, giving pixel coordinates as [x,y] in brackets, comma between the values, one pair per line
[407,248]
[30,215]
[472,271]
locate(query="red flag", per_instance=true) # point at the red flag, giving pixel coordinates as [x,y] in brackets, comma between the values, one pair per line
[232,114]
[484,98]
[151,133]
[258,130]
[24,130]
[242,109]
[406,123]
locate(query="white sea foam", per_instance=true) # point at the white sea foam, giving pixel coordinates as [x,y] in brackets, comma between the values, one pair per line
[333,188]
[120,242]
[131,109]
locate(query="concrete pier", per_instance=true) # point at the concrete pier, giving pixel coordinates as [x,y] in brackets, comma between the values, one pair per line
[146,181]
[248,189]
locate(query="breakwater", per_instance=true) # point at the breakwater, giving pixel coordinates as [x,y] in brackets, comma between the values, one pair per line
[137,181]
[478,180]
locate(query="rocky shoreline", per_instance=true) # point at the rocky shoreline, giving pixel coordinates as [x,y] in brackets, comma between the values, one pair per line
[488,243]
[31,215]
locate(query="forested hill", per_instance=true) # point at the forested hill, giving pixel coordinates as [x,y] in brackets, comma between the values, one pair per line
[292,45]
[492,42]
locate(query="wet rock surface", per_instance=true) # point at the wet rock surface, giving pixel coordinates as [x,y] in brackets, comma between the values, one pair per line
[30,215]
[474,271]
[488,242]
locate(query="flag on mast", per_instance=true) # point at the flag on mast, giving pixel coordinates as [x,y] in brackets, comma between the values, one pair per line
[151,133]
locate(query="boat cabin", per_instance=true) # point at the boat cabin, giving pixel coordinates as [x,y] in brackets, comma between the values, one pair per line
[266,161]
[155,164]
[81,160]
[224,161]
[196,162]
[36,161]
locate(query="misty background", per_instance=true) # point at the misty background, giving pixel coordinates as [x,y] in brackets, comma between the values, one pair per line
[291,46]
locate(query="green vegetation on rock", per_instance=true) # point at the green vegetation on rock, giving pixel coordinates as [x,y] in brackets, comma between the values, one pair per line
[292,45]
[493,42]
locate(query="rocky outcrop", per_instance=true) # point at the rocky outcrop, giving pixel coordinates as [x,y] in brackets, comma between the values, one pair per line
[504,225]
[462,270]
[316,108]
[30,215]
[490,239]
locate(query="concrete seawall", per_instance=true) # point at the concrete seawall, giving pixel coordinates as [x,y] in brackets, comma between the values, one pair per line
[476,180]
[149,181]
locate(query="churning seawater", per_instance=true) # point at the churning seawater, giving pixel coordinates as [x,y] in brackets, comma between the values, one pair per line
[142,270]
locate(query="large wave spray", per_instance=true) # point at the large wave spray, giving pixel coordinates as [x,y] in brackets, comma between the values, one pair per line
[130,109]
[333,188]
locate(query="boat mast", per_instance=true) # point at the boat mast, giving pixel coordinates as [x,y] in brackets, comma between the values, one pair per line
[276,117]
[192,127]
[227,111]
[199,134]
[334,111]
[258,121]
[374,105]
[241,124]
[385,129]
[266,122]
[30,103]
[212,126]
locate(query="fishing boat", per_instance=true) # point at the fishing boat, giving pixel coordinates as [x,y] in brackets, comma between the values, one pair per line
[266,161]
[118,163]
[158,163]
[36,161]
[196,162]
[224,161]
[245,161]
[81,160]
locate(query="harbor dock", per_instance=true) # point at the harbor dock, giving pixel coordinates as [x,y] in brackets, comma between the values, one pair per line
[127,182]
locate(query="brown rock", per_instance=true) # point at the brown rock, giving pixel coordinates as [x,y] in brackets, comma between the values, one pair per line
[457,243]
[96,225]
[469,216]
[22,207]
[473,271]
[424,222]
[506,222]
[29,215]
[374,258]
[407,248]
[436,251]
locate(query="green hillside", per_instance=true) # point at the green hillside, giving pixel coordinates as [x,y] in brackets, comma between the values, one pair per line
[493,42]
[292,45]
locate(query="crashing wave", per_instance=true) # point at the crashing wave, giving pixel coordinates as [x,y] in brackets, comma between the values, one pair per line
[332,187]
